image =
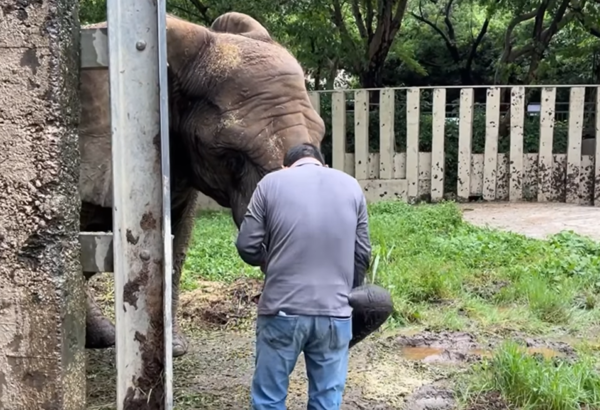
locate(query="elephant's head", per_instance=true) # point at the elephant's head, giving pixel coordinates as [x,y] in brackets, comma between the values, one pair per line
[238,103]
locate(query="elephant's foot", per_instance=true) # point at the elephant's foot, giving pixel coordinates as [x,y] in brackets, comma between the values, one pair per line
[100,334]
[180,344]
[99,331]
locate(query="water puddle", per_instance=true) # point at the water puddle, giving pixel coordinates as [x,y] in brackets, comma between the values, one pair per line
[481,353]
[546,352]
[419,353]
[422,353]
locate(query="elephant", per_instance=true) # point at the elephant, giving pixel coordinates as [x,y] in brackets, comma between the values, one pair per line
[237,103]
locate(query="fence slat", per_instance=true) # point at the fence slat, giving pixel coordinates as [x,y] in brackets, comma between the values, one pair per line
[413,105]
[517,117]
[596,180]
[361,134]
[545,159]
[338,129]
[387,138]
[465,135]
[437,144]
[315,100]
[492,119]
[576,106]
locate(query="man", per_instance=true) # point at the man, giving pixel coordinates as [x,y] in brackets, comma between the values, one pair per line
[307,227]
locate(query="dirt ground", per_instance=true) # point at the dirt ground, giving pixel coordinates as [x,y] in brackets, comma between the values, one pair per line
[407,370]
[217,371]
[537,220]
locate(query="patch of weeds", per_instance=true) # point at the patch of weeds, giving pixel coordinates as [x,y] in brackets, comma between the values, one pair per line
[532,382]
[552,306]
[450,318]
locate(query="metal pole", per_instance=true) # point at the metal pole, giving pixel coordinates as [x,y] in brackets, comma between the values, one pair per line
[166,202]
[138,245]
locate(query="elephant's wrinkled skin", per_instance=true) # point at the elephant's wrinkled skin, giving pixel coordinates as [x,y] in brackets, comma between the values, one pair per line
[237,103]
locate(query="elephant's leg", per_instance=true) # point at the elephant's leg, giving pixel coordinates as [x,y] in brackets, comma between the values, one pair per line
[182,226]
[99,331]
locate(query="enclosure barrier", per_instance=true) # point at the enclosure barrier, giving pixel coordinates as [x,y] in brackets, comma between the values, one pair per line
[141,247]
[572,177]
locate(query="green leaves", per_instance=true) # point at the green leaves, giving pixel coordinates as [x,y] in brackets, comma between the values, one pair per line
[455,41]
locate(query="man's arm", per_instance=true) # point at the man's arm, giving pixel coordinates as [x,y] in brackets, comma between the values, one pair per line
[362,247]
[250,239]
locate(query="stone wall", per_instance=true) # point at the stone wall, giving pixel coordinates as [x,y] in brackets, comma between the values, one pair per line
[42,305]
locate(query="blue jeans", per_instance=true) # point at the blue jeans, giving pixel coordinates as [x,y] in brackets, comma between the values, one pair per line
[279,341]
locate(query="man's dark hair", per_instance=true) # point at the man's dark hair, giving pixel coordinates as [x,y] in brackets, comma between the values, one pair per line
[302,151]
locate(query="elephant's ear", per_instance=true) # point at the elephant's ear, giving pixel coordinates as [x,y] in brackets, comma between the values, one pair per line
[185,41]
[242,24]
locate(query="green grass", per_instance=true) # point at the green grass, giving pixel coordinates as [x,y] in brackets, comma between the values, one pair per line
[531,382]
[445,274]
[212,255]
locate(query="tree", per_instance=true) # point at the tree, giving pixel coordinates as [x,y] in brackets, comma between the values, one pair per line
[377,23]
[426,42]
[448,33]
[548,17]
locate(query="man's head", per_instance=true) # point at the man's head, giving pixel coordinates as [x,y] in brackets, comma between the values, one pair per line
[298,152]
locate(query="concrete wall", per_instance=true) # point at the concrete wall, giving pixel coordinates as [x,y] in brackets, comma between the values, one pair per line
[42,358]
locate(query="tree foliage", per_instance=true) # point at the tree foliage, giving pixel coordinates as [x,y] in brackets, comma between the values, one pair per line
[423,42]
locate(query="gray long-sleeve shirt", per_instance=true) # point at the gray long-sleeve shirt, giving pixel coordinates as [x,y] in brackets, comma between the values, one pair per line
[308,226]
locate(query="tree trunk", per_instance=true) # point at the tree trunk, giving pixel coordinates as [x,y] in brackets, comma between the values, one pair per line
[42,365]
[318,78]
[465,76]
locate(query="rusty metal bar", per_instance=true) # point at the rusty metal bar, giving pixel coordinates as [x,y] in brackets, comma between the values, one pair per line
[97,252]
[166,202]
[139,256]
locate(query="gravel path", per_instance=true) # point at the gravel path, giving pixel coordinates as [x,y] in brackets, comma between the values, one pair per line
[537,220]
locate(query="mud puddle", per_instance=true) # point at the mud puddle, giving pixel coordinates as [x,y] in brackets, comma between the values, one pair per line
[454,350]
[439,355]
[456,347]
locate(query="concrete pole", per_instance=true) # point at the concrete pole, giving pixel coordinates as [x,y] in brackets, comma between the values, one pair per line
[42,305]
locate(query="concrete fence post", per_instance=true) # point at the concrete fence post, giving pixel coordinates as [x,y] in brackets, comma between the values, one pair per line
[42,305]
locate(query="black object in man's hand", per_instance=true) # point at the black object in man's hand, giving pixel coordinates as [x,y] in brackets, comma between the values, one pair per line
[372,305]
